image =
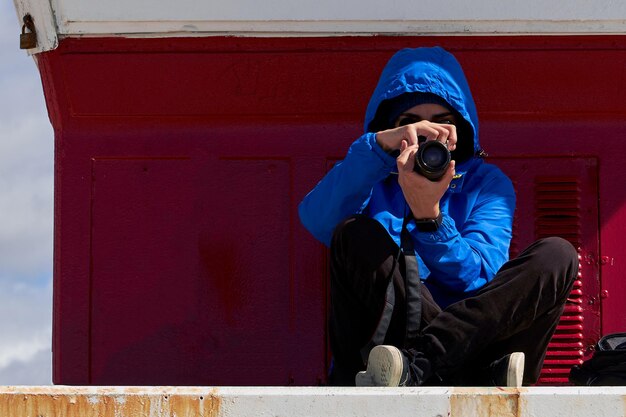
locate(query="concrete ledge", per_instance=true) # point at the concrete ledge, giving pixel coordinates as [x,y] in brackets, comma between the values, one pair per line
[70,401]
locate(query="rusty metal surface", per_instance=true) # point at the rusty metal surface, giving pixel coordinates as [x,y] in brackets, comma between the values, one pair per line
[69,401]
[107,402]
[481,404]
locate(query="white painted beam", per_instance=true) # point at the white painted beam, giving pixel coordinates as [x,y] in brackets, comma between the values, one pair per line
[285,18]
[312,401]
[339,17]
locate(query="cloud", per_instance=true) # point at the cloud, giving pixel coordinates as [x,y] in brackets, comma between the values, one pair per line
[25,347]
[35,371]
[26,192]
[26,200]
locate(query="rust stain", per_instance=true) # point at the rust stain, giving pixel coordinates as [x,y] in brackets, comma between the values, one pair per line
[109,404]
[503,403]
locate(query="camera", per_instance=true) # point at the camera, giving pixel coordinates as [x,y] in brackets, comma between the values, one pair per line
[432,159]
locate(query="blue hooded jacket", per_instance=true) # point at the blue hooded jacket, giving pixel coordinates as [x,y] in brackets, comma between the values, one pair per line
[473,240]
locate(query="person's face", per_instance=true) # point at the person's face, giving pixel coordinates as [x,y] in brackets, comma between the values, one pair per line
[431,112]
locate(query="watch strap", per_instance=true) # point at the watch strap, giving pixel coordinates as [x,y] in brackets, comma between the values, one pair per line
[429,225]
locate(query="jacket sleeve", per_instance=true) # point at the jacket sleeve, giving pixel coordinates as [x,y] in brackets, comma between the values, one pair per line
[466,258]
[346,188]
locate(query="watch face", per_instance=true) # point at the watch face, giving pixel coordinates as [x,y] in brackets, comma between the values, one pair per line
[428,225]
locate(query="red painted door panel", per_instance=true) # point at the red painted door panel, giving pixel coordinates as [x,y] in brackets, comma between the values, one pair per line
[192,274]
[179,256]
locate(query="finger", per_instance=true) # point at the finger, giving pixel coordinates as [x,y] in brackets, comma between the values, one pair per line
[449,175]
[406,159]
[405,154]
[448,136]
[444,133]
[452,138]
[429,131]
[410,164]
[403,145]
[411,134]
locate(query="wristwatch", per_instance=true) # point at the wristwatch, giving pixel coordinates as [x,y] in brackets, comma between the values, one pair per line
[428,225]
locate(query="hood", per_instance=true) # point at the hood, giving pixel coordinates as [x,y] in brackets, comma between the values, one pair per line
[426,70]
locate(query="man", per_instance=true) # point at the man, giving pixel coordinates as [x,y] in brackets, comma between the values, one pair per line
[475,319]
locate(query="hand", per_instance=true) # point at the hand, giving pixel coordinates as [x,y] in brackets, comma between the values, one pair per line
[391,140]
[421,194]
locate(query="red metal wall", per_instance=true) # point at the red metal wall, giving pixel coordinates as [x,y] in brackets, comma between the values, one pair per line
[179,257]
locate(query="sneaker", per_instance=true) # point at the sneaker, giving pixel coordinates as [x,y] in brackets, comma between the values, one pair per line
[386,367]
[508,371]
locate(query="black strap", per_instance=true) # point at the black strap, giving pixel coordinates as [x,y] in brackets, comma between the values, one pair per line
[378,337]
[412,285]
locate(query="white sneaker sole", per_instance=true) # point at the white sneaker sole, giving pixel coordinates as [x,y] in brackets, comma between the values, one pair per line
[515,371]
[384,368]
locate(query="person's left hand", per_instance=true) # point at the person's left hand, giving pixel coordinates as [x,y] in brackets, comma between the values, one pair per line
[421,194]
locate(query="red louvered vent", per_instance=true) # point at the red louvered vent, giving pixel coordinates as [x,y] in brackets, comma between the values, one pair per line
[557,213]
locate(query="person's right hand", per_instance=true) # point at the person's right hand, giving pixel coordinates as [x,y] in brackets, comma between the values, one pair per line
[421,194]
[391,140]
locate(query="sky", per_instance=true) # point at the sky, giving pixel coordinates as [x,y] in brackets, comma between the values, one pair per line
[26,233]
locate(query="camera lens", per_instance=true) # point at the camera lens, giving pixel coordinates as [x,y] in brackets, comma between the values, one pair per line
[432,159]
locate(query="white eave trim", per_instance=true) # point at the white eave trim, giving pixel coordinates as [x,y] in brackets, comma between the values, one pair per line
[343,27]
[300,18]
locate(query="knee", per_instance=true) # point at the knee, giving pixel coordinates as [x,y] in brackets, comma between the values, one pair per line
[559,256]
[354,229]
[349,225]
[360,234]
[558,249]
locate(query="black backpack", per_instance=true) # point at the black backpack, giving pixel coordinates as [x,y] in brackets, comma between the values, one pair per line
[606,367]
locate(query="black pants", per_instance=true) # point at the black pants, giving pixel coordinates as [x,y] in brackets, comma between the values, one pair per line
[517,311]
